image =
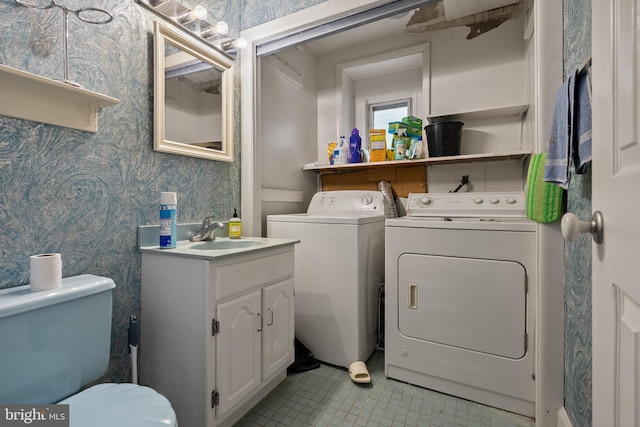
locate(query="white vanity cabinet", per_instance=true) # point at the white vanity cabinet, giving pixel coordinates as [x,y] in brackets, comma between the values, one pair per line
[217,333]
[255,341]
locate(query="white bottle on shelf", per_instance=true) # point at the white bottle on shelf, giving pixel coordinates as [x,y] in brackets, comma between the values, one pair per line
[341,153]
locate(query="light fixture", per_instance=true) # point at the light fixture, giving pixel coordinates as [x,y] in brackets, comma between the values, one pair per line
[234,44]
[199,12]
[241,42]
[192,20]
[190,15]
[222,27]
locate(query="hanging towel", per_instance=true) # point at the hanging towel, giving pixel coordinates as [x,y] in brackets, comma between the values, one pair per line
[581,146]
[544,200]
[559,147]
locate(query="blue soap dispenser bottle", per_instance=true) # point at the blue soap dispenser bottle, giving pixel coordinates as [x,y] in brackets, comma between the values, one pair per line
[168,217]
[355,145]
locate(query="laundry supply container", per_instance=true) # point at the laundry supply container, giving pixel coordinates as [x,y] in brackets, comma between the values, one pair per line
[443,139]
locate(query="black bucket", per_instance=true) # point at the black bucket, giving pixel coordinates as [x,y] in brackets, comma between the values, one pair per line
[443,139]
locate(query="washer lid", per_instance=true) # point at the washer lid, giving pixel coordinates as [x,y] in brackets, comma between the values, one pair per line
[337,218]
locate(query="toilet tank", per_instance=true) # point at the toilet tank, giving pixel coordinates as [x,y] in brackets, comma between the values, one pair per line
[54,342]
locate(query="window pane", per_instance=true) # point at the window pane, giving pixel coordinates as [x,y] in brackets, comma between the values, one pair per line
[382,115]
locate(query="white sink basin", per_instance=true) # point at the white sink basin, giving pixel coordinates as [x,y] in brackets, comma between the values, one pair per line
[223,244]
[221,247]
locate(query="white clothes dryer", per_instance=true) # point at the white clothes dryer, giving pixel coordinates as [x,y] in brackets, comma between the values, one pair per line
[460,298]
[339,266]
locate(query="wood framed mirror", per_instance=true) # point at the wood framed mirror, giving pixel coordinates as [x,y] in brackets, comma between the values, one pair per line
[193,97]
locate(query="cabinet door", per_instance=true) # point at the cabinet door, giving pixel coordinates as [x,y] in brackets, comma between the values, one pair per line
[238,349]
[278,334]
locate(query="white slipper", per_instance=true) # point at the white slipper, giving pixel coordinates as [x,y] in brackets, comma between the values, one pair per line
[359,373]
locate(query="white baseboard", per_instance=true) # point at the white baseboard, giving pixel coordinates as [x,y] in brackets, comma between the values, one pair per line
[563,418]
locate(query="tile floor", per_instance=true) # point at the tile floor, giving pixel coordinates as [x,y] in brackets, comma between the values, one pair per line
[327,397]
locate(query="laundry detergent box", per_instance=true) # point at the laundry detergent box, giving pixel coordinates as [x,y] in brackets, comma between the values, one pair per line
[415,131]
[377,145]
[394,126]
[412,121]
[413,125]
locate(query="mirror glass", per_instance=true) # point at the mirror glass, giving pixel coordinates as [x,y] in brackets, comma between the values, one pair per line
[193,98]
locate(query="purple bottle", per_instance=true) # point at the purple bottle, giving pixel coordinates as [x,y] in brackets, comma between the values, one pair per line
[355,144]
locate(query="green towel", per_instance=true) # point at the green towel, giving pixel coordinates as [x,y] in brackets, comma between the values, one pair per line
[544,200]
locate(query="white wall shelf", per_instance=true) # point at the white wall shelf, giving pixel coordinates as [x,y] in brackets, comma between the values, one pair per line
[512,110]
[31,97]
[464,158]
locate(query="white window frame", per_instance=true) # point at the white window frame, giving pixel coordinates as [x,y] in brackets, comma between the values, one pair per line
[388,104]
[395,103]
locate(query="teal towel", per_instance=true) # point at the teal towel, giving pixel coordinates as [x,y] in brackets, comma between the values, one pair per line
[544,200]
[559,146]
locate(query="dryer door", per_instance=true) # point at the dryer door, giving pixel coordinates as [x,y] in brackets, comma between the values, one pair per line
[472,304]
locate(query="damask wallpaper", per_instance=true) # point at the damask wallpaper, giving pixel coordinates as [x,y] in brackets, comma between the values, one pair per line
[577,331]
[256,12]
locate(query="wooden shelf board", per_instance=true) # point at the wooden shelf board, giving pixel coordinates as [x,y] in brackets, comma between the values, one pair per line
[464,158]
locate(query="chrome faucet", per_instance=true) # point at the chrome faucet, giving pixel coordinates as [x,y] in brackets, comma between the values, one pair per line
[207,231]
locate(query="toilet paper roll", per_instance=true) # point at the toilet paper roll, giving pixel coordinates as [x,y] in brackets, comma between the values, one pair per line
[46,272]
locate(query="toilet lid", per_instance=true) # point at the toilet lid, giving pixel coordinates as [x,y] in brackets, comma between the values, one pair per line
[122,405]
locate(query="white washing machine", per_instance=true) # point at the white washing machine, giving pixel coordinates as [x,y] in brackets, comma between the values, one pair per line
[460,298]
[339,265]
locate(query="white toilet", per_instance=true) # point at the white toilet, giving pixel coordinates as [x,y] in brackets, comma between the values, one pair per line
[52,343]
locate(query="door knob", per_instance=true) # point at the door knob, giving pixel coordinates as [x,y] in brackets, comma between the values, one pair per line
[571,227]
